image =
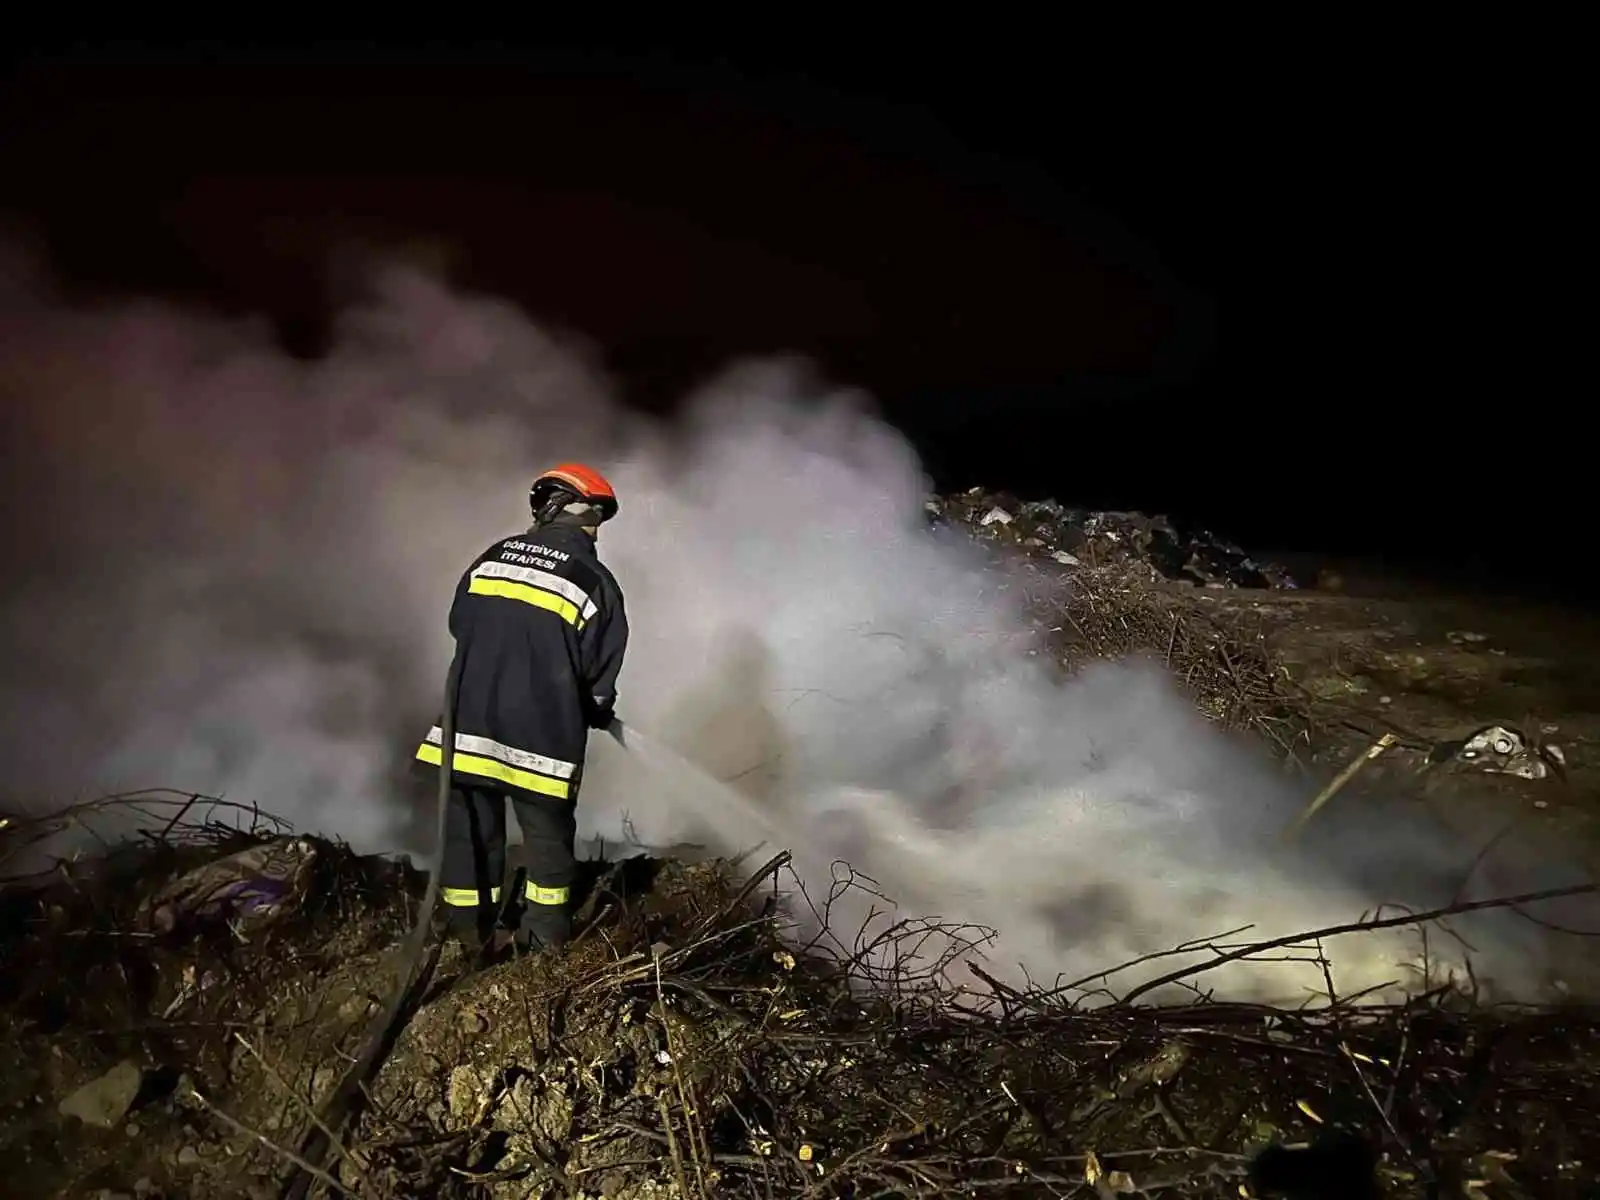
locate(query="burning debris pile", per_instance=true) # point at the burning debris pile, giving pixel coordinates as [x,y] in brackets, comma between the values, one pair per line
[691,1042]
[1128,541]
[1093,583]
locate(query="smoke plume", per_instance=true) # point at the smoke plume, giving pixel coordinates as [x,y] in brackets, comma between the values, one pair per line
[230,571]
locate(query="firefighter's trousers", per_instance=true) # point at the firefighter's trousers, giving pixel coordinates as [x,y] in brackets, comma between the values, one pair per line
[474,866]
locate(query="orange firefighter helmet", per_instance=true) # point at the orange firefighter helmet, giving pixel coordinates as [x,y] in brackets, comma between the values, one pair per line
[582,481]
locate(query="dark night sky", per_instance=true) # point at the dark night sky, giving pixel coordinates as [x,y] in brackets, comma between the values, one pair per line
[1022,253]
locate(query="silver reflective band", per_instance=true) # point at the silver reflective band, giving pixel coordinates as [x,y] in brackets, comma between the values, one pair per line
[534,577]
[471,744]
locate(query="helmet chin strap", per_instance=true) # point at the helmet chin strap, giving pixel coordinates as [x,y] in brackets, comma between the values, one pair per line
[565,504]
[552,508]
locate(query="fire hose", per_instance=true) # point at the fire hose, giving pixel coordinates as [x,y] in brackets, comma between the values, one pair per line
[380,1033]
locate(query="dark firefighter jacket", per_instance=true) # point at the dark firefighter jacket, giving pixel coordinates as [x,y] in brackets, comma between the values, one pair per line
[539,625]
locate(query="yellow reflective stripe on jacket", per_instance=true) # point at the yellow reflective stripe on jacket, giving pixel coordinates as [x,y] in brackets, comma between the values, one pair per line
[488,768]
[545,580]
[546,895]
[538,597]
[466,897]
[526,760]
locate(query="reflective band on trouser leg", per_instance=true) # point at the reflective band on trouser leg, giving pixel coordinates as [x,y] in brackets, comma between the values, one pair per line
[490,768]
[466,897]
[547,895]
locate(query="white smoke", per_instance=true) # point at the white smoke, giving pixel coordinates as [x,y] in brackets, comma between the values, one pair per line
[230,573]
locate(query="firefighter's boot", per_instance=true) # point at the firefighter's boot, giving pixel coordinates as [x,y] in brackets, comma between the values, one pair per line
[543,927]
[469,925]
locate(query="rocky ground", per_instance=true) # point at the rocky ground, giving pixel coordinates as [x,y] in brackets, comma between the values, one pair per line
[172,1020]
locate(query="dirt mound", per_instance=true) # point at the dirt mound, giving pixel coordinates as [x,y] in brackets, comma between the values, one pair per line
[110,968]
[690,1043]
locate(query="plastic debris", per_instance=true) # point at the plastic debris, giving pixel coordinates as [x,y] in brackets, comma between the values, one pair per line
[1079,537]
[1502,750]
[1092,1170]
[249,890]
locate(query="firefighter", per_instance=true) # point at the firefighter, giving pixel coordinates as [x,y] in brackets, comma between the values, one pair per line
[540,631]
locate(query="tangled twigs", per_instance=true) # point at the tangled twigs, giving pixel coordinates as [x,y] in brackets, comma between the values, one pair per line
[1436,914]
[699,1153]
[281,1151]
[772,1072]
[161,815]
[777,863]
[693,1040]
[335,1146]
[1352,1057]
[1103,614]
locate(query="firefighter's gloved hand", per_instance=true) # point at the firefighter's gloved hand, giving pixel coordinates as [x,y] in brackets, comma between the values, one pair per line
[607,722]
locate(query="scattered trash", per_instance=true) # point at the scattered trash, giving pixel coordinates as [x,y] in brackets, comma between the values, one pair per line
[250,889]
[1501,750]
[1074,537]
[103,1102]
